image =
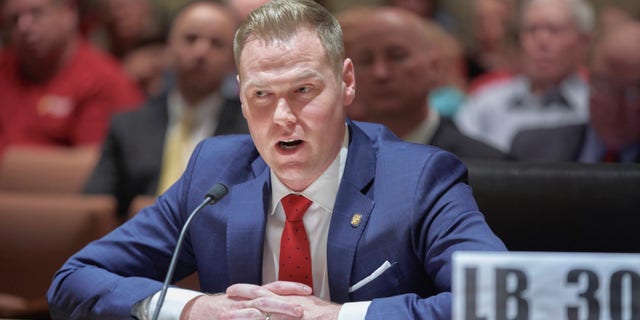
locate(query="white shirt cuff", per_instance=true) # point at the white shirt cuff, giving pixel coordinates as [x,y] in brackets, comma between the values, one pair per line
[174,303]
[354,310]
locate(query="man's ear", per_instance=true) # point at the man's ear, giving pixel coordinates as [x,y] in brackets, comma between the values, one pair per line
[348,82]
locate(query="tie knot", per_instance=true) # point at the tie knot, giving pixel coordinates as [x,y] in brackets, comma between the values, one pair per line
[295,206]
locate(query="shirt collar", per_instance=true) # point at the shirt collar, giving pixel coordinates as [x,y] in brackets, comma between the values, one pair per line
[565,95]
[324,190]
[205,109]
[427,128]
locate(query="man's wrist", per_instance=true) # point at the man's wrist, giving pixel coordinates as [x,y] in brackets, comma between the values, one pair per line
[184,315]
[189,306]
[174,303]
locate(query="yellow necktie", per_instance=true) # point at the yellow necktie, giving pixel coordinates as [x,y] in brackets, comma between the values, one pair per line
[174,155]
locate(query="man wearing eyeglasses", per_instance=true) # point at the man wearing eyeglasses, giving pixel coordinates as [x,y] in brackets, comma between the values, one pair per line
[613,131]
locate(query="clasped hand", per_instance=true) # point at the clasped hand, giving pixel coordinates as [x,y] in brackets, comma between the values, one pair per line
[280,300]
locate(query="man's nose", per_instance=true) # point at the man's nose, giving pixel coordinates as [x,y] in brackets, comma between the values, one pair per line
[283,114]
[201,47]
[380,68]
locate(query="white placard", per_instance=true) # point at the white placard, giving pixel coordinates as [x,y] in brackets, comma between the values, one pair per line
[545,286]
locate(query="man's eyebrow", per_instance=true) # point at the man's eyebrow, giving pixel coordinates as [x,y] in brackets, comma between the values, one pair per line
[303,75]
[254,83]
[306,74]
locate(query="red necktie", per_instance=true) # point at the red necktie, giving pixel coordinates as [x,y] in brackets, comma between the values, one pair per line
[295,255]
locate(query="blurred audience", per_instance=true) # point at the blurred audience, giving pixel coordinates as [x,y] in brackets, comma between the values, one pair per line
[551,91]
[613,134]
[611,15]
[148,65]
[147,149]
[56,89]
[125,25]
[394,76]
[449,79]
[428,9]
[133,31]
[615,97]
[494,49]
[242,8]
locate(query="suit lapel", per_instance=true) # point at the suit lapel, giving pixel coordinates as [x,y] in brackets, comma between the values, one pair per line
[352,200]
[246,228]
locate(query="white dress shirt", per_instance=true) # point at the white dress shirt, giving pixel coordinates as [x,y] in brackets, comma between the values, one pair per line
[323,192]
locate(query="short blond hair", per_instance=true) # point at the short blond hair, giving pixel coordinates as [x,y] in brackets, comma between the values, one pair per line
[280,20]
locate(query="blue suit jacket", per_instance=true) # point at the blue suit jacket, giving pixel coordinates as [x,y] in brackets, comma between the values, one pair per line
[416,211]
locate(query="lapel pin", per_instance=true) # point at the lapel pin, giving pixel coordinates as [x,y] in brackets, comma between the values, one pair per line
[355,220]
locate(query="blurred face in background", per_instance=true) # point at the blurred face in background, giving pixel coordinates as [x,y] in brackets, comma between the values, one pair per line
[127,20]
[423,8]
[200,47]
[553,47]
[243,7]
[39,30]
[490,22]
[392,62]
[615,87]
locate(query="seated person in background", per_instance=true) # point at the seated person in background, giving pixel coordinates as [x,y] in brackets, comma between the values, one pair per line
[396,74]
[554,38]
[148,65]
[612,14]
[242,8]
[449,81]
[429,10]
[55,88]
[132,31]
[146,150]
[124,25]
[615,97]
[493,53]
[613,132]
[371,203]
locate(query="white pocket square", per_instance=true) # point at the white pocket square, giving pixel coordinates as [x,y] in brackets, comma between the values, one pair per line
[381,269]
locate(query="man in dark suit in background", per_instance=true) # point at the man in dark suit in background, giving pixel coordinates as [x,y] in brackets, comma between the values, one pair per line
[395,75]
[613,131]
[146,150]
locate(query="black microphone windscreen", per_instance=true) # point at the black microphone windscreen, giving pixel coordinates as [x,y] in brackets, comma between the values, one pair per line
[218,191]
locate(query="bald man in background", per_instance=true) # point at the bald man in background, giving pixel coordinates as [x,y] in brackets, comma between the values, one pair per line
[395,76]
[136,155]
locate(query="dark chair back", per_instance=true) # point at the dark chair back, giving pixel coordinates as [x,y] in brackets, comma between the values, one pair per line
[560,206]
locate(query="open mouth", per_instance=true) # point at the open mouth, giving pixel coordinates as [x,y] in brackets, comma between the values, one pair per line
[289,144]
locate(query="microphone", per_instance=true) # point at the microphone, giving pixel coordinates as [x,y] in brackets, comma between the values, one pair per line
[217,192]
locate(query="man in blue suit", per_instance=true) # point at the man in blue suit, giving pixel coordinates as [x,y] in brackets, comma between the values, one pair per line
[384,219]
